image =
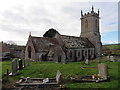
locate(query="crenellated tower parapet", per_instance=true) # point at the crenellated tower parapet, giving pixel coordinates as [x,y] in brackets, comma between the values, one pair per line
[88,14]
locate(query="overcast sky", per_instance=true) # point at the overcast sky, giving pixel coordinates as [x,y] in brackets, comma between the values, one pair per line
[19,17]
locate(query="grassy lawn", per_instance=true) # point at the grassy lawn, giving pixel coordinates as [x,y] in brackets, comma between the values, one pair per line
[49,69]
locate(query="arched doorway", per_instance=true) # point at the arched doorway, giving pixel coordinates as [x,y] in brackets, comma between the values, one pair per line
[29,52]
[59,58]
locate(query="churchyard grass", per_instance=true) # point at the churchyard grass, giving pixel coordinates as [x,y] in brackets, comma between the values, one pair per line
[49,69]
[6,65]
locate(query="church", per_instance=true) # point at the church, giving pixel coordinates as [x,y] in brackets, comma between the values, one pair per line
[63,48]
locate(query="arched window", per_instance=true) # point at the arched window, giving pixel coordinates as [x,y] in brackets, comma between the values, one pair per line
[75,55]
[29,52]
[89,55]
[59,58]
[83,57]
[86,23]
[96,23]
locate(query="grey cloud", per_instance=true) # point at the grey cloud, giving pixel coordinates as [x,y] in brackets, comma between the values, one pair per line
[14,17]
[65,18]
[12,28]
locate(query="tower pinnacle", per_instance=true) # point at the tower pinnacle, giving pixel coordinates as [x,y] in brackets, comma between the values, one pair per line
[81,13]
[30,33]
[98,11]
[92,8]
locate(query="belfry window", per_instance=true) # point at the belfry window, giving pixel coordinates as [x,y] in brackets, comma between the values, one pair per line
[96,23]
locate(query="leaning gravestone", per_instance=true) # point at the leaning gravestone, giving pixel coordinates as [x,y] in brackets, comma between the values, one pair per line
[103,70]
[14,67]
[58,76]
[112,59]
[20,64]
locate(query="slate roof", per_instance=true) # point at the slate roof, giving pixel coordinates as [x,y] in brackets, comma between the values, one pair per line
[76,42]
[42,43]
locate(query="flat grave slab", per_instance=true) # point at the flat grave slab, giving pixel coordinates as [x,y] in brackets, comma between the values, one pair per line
[39,81]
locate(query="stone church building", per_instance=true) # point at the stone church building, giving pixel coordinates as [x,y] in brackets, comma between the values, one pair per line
[62,48]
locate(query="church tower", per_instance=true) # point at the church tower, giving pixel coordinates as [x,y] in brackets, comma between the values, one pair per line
[90,29]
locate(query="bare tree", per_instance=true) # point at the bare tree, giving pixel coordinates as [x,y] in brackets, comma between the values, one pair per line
[10,42]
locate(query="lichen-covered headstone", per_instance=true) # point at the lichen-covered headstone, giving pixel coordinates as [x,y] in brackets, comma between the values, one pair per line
[103,70]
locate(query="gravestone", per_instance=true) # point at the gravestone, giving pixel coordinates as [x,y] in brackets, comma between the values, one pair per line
[86,61]
[112,58]
[20,64]
[103,70]
[108,58]
[58,76]
[14,67]
[118,60]
[24,63]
